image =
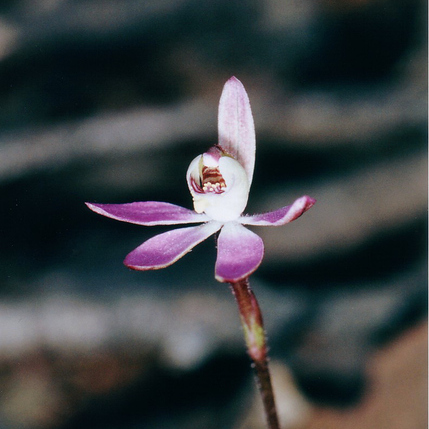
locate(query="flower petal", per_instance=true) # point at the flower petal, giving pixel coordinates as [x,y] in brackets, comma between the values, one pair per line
[239,253]
[235,125]
[281,216]
[165,249]
[148,213]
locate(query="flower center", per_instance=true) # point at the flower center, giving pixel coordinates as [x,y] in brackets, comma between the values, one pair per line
[212,181]
[218,184]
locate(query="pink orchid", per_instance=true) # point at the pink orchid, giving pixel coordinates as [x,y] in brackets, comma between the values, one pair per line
[219,181]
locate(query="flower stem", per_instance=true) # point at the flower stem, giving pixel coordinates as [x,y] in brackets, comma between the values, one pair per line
[251,320]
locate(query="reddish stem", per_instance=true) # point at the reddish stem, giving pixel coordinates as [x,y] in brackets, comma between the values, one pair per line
[251,320]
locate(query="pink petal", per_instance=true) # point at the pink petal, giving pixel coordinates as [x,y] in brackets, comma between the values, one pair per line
[235,125]
[281,216]
[165,249]
[239,253]
[148,213]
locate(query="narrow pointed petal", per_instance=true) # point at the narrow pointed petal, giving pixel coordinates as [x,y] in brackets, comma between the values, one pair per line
[235,125]
[239,253]
[148,213]
[281,216]
[165,249]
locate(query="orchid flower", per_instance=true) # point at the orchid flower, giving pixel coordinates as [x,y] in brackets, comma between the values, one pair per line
[219,181]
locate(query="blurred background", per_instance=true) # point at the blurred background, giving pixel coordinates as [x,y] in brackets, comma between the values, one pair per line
[109,101]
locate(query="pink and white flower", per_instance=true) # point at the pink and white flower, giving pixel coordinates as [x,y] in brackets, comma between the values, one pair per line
[219,181]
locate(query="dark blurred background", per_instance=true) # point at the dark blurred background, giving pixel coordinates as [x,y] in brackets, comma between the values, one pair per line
[109,101]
